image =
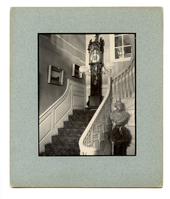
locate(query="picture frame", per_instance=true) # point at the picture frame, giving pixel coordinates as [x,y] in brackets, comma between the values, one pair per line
[55,75]
[76,71]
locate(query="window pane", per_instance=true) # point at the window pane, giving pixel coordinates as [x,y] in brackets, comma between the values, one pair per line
[118,41]
[118,53]
[126,40]
[127,51]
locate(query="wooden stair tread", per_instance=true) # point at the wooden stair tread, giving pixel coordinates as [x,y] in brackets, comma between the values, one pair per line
[66,142]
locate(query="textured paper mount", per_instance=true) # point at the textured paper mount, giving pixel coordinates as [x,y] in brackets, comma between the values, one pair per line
[27,169]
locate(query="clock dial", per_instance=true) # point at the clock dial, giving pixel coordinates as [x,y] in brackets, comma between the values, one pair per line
[95,57]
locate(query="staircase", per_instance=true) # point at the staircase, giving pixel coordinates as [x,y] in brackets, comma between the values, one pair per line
[66,142]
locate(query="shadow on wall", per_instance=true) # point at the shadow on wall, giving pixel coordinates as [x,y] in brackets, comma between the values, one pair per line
[61,50]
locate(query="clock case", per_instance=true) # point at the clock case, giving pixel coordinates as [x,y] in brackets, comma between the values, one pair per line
[96,50]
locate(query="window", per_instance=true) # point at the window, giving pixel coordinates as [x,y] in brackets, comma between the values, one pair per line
[121,47]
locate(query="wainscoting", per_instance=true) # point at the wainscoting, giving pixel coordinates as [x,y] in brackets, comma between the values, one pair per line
[54,116]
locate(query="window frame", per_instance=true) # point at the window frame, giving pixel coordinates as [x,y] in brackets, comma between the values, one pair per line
[112,49]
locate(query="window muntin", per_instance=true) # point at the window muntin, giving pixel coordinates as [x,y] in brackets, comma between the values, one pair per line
[122,46]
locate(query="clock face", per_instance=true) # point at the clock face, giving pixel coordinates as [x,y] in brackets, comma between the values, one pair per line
[95,57]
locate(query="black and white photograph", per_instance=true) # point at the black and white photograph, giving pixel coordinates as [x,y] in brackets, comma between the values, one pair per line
[86,98]
[86,94]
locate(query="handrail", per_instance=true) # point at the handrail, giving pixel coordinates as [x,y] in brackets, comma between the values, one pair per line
[123,83]
[124,69]
[92,149]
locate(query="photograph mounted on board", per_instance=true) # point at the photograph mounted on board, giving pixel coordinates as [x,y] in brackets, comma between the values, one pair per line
[87,94]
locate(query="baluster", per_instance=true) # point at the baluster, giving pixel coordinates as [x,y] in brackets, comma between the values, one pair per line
[133,78]
[127,84]
[114,88]
[129,76]
[128,79]
[85,141]
[95,131]
[91,137]
[131,81]
[123,85]
[119,93]
[89,140]
[120,82]
[116,83]
[119,87]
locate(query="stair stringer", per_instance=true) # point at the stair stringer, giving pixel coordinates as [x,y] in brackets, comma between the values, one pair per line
[54,116]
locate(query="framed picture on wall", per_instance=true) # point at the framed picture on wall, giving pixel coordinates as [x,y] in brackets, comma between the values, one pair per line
[55,75]
[76,71]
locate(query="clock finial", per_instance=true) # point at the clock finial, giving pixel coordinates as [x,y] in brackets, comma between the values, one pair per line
[97,37]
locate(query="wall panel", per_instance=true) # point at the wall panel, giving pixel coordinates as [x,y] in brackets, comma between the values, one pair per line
[53,117]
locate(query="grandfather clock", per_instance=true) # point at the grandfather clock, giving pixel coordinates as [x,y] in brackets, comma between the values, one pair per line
[96,49]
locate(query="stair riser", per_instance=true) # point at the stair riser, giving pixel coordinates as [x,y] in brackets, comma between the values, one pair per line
[72,118]
[66,151]
[63,138]
[62,150]
[60,147]
[65,142]
[70,132]
[82,112]
[75,125]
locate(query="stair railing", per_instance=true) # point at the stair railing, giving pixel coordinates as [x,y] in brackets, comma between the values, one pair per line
[123,85]
[89,142]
